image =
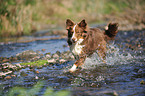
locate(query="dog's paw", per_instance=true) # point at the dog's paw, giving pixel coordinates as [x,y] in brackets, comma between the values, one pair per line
[73,68]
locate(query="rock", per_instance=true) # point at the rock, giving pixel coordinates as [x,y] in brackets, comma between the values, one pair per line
[43,50]
[37,71]
[35,58]
[45,65]
[58,53]
[51,61]
[55,56]
[39,67]
[5,67]
[38,51]
[23,74]
[13,75]
[62,60]
[5,73]
[64,45]
[2,74]
[18,65]
[12,59]
[4,64]
[36,77]
[142,82]
[32,70]
[108,92]
[12,67]
[48,56]
[5,60]
[27,55]
[8,77]
[31,67]
[67,55]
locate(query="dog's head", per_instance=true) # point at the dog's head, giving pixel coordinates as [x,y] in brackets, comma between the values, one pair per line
[76,32]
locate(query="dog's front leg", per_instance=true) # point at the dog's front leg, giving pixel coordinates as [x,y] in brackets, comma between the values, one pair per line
[78,63]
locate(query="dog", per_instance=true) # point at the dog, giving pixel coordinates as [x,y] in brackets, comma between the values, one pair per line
[84,41]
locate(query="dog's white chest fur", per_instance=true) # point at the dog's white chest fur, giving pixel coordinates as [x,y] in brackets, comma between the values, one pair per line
[76,48]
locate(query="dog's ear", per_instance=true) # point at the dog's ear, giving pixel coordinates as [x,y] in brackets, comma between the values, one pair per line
[83,23]
[69,23]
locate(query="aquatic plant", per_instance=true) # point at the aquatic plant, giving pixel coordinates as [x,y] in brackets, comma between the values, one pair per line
[20,91]
[36,63]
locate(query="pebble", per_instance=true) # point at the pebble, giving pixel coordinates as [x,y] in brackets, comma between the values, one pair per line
[18,65]
[13,75]
[62,60]
[48,56]
[23,74]
[51,61]
[8,77]
[36,77]
[55,56]
[43,50]
[37,71]
[5,73]
[142,82]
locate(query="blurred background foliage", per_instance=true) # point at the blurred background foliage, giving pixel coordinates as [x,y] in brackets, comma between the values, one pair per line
[23,17]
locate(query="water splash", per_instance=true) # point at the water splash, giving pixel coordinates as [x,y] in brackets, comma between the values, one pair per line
[115,55]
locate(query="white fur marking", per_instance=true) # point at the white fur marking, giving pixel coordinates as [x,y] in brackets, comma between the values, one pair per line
[73,68]
[77,48]
[74,33]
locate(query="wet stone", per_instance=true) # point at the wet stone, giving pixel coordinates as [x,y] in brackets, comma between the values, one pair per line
[13,75]
[8,77]
[5,60]
[48,56]
[36,77]
[62,60]
[44,65]
[23,74]
[27,55]
[142,82]
[38,51]
[18,65]
[37,71]
[43,50]
[39,67]
[51,61]
[55,56]
[58,53]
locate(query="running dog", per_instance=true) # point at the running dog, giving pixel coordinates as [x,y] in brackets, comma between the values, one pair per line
[84,41]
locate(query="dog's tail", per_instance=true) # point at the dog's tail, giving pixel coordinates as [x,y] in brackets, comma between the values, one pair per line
[111,30]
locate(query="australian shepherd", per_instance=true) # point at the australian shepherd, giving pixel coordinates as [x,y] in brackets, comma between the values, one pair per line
[84,41]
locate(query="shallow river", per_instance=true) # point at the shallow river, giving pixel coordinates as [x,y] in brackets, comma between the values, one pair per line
[121,75]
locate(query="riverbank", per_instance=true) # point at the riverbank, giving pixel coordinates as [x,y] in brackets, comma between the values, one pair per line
[26,17]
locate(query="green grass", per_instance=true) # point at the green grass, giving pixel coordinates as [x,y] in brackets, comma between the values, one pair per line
[21,17]
[35,63]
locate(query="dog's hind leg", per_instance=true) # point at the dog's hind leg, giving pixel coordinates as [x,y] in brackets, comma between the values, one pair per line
[102,52]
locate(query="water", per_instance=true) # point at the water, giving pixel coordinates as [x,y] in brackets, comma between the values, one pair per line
[120,75]
[8,50]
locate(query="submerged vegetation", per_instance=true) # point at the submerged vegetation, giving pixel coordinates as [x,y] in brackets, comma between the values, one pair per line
[22,17]
[36,63]
[20,91]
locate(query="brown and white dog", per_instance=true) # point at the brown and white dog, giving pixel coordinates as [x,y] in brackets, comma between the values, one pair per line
[84,41]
